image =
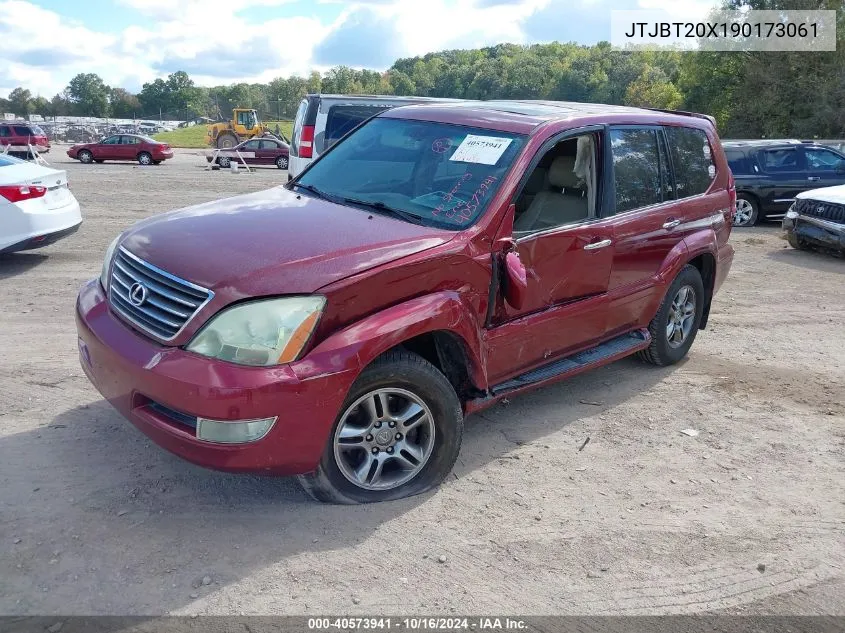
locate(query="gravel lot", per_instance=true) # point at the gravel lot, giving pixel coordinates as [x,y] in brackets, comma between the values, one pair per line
[94,519]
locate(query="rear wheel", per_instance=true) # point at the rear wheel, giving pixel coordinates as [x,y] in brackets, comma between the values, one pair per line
[144,158]
[227,140]
[85,156]
[747,210]
[398,434]
[674,327]
[282,162]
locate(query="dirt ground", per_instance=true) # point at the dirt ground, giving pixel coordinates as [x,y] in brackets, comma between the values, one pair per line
[94,519]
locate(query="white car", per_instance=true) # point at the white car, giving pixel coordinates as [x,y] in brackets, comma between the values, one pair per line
[36,205]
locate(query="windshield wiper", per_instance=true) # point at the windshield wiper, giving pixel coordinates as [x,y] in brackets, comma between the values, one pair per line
[381,207]
[316,192]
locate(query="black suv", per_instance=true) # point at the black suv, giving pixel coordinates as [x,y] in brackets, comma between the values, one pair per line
[770,174]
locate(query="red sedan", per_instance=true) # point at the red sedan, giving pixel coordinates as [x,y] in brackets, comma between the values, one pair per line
[145,150]
[257,151]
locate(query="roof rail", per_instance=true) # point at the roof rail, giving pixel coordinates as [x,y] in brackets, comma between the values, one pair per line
[697,115]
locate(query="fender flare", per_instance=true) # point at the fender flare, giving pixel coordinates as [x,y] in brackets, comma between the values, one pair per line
[700,242]
[357,345]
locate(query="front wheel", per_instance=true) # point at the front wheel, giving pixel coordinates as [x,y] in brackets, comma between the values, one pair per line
[224,161]
[674,327]
[144,158]
[398,434]
[796,242]
[85,157]
[282,162]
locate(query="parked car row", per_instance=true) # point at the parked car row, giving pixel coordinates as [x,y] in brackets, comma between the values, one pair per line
[22,135]
[770,175]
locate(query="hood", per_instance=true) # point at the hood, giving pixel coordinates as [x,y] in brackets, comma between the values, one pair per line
[833,195]
[274,242]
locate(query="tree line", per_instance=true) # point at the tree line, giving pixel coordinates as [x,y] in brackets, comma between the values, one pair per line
[750,94]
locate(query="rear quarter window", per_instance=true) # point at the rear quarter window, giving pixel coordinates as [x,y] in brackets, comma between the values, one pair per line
[20,130]
[692,159]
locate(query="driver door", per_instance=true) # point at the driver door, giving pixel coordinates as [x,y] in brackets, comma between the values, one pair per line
[108,148]
[567,268]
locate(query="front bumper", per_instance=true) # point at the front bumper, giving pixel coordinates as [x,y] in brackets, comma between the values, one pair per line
[816,231]
[159,389]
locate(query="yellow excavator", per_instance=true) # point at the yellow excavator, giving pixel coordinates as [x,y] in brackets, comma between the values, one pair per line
[244,125]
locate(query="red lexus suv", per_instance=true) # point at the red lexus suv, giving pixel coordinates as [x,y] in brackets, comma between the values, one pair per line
[435,260]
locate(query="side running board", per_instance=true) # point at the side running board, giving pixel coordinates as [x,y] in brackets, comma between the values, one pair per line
[614,348]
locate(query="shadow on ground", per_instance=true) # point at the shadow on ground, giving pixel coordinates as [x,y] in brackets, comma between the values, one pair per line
[125,528]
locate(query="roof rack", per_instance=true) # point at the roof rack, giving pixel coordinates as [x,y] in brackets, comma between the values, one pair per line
[697,115]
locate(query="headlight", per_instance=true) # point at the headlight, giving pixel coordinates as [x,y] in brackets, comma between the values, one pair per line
[792,213]
[104,274]
[261,333]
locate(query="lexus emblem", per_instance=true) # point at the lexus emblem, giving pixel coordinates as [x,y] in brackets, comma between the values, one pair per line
[820,209]
[137,294]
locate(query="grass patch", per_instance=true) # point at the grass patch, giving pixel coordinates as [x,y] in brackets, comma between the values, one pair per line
[195,137]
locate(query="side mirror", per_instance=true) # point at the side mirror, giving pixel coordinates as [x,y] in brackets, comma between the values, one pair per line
[516,281]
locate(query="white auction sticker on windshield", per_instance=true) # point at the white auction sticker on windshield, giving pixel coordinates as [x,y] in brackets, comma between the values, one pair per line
[485,150]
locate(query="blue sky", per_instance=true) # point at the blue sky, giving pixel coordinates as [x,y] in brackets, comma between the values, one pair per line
[129,42]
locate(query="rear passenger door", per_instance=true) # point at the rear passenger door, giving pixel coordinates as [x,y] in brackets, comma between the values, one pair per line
[647,222]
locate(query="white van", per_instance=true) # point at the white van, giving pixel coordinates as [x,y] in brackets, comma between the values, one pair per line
[321,120]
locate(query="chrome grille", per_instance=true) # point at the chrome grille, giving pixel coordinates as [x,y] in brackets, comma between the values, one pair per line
[152,299]
[821,210]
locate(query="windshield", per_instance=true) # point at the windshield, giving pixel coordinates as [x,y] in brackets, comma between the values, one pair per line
[432,173]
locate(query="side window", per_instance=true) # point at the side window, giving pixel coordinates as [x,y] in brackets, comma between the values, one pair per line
[692,160]
[112,140]
[23,131]
[636,168]
[822,159]
[738,161]
[4,131]
[562,189]
[130,140]
[251,146]
[269,145]
[775,160]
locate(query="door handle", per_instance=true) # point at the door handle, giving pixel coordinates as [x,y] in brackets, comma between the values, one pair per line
[594,245]
[814,178]
[671,224]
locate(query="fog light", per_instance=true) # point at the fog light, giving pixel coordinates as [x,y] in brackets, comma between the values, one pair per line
[791,214]
[233,432]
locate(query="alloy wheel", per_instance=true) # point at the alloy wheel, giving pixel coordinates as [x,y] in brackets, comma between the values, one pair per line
[384,439]
[744,212]
[681,316]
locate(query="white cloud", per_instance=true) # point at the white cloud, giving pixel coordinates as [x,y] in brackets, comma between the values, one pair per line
[223,41]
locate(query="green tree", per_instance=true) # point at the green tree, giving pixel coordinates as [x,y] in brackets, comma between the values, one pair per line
[123,104]
[89,94]
[652,89]
[20,101]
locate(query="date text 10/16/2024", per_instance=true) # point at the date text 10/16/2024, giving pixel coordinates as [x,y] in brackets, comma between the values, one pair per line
[416,624]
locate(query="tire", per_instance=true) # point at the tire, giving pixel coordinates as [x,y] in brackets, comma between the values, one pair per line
[747,210]
[145,158]
[227,140]
[413,387]
[85,156]
[662,351]
[282,162]
[224,161]
[796,242]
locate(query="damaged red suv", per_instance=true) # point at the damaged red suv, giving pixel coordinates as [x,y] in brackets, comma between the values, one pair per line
[437,259]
